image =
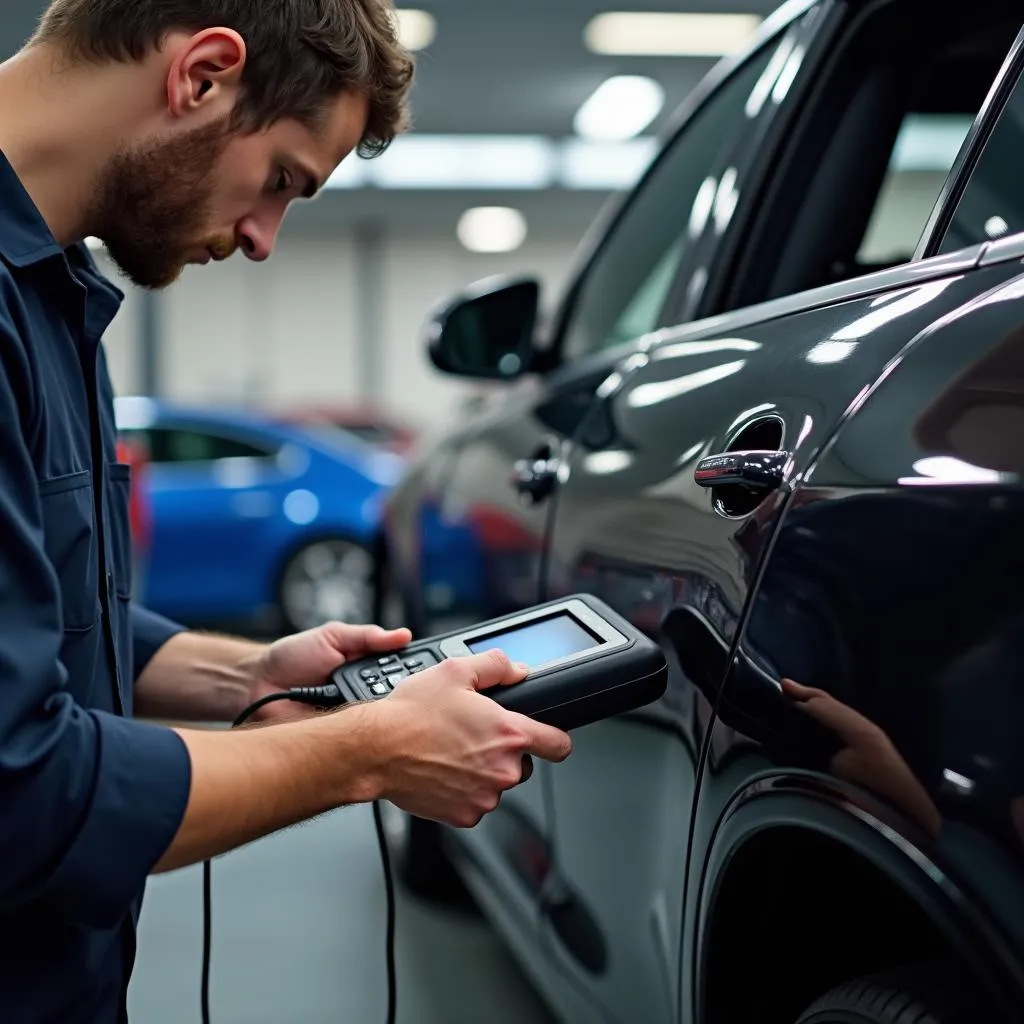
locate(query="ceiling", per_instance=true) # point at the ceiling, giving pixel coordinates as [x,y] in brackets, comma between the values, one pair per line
[495,67]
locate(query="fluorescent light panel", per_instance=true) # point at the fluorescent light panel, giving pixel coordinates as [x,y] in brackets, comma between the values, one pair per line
[620,108]
[668,34]
[454,162]
[532,163]
[603,165]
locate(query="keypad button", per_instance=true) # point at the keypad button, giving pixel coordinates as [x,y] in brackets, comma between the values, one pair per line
[414,663]
[397,678]
[390,670]
[371,674]
[380,689]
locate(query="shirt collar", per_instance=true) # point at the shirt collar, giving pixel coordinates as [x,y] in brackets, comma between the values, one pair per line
[24,236]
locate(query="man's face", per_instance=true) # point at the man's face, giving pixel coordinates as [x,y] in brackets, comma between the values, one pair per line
[203,193]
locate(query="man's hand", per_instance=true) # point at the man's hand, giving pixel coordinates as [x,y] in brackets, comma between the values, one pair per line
[868,757]
[308,659]
[435,747]
[448,752]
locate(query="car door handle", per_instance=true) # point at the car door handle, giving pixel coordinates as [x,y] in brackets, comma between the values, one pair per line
[760,471]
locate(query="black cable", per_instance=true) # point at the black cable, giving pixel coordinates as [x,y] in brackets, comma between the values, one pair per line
[208,868]
[318,696]
[389,892]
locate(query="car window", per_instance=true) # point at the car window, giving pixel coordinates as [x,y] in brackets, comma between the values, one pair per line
[992,204]
[626,287]
[921,159]
[871,146]
[170,445]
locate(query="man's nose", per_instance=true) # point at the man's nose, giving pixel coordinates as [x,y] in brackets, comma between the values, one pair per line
[256,237]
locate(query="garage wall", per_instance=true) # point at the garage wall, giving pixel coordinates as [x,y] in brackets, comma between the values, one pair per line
[289,329]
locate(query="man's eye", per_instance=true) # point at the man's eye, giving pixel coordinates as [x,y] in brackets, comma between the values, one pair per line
[284,182]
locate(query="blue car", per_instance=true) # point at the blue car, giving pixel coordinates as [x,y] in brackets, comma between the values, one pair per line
[256,522]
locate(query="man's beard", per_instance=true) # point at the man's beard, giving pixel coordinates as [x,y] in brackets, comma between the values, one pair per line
[154,205]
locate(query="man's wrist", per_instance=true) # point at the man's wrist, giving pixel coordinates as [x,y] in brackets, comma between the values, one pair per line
[248,672]
[366,744]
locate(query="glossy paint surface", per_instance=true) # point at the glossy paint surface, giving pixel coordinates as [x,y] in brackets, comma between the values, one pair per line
[894,590]
[634,527]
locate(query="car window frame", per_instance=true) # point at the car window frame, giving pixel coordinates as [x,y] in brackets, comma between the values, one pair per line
[811,30]
[725,264]
[604,230]
[1011,74]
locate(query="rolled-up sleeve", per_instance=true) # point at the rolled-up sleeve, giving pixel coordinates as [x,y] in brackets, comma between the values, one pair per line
[89,802]
[149,633]
[141,776]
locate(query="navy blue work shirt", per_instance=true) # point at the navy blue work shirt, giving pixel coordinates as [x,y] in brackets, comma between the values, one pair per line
[89,799]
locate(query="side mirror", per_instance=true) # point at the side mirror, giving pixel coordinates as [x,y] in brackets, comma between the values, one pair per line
[487,331]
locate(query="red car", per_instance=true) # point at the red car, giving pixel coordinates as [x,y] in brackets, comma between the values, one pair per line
[365,422]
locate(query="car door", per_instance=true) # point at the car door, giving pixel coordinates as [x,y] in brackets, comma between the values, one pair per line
[660,518]
[213,499]
[893,589]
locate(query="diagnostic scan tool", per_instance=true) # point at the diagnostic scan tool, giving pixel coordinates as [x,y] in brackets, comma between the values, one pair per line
[586,663]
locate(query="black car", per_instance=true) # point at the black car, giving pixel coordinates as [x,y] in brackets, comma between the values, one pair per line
[778,423]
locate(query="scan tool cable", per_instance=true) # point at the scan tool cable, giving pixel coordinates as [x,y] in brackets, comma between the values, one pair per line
[318,696]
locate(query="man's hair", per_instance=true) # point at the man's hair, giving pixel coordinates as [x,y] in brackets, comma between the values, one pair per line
[300,53]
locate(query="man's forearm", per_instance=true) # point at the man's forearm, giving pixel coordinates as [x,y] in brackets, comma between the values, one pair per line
[251,782]
[197,677]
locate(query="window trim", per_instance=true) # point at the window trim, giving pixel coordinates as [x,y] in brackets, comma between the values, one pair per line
[603,231]
[966,162]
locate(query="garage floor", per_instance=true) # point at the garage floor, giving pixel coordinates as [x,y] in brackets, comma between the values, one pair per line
[299,937]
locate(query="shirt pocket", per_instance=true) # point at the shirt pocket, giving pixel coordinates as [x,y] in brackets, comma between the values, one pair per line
[119,483]
[69,539]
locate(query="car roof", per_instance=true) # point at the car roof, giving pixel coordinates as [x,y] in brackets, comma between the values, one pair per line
[139,412]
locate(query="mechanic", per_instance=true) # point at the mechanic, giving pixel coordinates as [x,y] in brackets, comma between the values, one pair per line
[176,131]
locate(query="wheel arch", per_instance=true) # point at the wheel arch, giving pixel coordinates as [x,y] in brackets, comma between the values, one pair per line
[795,883]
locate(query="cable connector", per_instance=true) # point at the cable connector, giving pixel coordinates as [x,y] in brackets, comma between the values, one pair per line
[327,696]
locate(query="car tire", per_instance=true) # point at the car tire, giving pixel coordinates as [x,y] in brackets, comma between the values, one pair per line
[420,863]
[327,579]
[928,994]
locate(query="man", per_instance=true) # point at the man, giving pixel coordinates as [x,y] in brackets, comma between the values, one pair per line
[177,131]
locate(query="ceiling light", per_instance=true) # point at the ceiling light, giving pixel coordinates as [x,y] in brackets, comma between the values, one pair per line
[416,29]
[620,108]
[492,229]
[668,34]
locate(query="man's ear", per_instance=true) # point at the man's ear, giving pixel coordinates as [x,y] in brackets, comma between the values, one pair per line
[206,71]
